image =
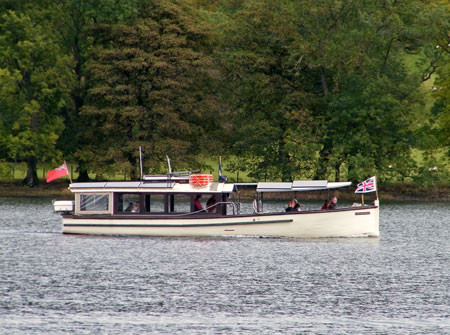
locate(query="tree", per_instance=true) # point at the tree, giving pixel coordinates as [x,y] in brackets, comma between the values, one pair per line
[438,53]
[325,83]
[72,20]
[269,109]
[354,51]
[145,90]
[442,107]
[33,88]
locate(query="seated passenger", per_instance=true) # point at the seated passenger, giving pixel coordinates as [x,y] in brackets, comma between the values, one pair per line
[136,208]
[333,203]
[129,207]
[197,204]
[326,204]
[210,205]
[291,205]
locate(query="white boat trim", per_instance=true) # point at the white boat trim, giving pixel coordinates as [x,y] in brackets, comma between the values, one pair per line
[300,186]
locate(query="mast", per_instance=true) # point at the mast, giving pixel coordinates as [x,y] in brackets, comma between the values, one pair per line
[140,160]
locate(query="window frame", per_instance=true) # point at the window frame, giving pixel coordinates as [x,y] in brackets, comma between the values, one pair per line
[142,198]
[78,209]
[116,203]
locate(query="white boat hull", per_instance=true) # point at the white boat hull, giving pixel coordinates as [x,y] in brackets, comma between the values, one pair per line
[361,221]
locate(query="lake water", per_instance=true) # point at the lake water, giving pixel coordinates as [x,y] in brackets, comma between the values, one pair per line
[52,283]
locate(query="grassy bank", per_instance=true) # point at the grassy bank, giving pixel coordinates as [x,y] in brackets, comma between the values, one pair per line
[58,189]
[400,192]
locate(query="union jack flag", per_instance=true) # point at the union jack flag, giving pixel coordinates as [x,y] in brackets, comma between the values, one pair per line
[368,185]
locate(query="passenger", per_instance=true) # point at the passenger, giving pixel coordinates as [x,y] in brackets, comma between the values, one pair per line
[291,205]
[197,204]
[129,207]
[136,208]
[210,205]
[326,204]
[297,207]
[333,203]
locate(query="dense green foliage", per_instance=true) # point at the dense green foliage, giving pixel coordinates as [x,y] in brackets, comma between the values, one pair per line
[146,90]
[281,89]
[34,85]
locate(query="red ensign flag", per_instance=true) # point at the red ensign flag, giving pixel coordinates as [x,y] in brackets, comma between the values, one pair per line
[57,173]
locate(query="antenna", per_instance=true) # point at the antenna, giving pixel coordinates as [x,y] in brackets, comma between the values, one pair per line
[140,159]
[168,163]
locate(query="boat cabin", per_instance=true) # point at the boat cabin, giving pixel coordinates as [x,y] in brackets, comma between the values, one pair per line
[154,195]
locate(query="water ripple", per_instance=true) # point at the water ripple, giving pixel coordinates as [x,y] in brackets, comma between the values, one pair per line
[62,284]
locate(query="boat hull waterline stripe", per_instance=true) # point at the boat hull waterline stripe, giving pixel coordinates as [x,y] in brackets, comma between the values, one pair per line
[175,225]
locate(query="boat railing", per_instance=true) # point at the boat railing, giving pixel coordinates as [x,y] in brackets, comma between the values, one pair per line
[235,206]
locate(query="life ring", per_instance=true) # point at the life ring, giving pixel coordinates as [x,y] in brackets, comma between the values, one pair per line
[200,180]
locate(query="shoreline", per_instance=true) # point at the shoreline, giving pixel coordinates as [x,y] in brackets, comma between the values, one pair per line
[17,190]
[398,192]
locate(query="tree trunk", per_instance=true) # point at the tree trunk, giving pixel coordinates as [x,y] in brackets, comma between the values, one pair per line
[83,175]
[350,171]
[323,162]
[31,179]
[286,172]
[337,172]
[134,175]
[323,80]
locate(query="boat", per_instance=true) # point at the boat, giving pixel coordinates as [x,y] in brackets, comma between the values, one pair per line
[165,205]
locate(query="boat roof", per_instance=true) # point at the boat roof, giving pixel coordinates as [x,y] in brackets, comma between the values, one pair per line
[299,186]
[179,184]
[150,187]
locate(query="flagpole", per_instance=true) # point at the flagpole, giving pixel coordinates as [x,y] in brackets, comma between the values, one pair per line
[168,164]
[376,187]
[140,160]
[362,197]
[68,172]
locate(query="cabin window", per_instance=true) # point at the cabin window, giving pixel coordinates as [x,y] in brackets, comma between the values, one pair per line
[94,202]
[129,203]
[155,203]
[180,203]
[205,203]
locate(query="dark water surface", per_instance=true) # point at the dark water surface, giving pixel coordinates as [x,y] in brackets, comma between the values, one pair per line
[52,283]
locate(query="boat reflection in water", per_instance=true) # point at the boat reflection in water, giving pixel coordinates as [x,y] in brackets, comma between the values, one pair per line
[167,205]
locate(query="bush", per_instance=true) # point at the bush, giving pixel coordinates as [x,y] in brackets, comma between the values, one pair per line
[5,170]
